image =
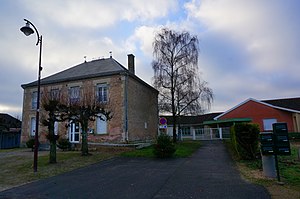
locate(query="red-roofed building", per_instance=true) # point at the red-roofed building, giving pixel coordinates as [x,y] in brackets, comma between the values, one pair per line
[266,112]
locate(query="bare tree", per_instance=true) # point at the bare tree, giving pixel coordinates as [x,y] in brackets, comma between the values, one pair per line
[176,75]
[86,108]
[51,103]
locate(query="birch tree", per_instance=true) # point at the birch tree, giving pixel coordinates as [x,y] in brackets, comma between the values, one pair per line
[176,76]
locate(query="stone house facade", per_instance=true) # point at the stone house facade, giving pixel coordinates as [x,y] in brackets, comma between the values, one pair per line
[133,103]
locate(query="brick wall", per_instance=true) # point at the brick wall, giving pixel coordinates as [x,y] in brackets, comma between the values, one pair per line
[142,111]
[257,112]
[115,125]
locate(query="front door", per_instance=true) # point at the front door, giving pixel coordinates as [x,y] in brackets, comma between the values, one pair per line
[74,132]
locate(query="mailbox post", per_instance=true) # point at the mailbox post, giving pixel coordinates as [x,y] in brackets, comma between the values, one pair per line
[281,139]
[273,144]
[267,151]
[267,143]
[281,142]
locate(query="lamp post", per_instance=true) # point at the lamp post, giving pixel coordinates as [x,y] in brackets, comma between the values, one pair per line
[27,30]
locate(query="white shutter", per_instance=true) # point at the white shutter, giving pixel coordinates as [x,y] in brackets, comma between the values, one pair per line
[101,125]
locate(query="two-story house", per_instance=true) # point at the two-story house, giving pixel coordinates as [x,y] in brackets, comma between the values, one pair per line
[134,103]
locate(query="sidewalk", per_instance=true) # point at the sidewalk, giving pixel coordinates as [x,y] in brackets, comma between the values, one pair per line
[209,173]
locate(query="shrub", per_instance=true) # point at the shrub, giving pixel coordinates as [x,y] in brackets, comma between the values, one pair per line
[30,143]
[52,138]
[294,136]
[64,144]
[164,147]
[244,138]
[233,140]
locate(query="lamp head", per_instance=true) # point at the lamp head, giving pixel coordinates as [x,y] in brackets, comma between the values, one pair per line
[27,30]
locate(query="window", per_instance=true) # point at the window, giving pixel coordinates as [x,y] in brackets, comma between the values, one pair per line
[54,94]
[199,131]
[268,124]
[102,93]
[55,128]
[74,94]
[32,126]
[34,100]
[101,124]
[185,130]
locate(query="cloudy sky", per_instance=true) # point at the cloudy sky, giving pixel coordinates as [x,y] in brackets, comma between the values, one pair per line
[248,48]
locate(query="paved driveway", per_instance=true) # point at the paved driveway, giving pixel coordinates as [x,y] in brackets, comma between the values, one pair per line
[209,173]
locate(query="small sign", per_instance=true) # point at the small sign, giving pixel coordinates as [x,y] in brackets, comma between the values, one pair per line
[163,126]
[162,121]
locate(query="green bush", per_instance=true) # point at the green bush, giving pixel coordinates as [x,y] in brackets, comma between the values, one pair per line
[164,147]
[30,143]
[51,137]
[233,140]
[244,139]
[64,144]
[294,136]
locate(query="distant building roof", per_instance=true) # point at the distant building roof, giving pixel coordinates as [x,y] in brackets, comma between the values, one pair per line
[85,70]
[288,103]
[7,121]
[192,120]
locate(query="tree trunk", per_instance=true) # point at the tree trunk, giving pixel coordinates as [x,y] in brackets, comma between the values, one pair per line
[174,129]
[52,140]
[84,142]
[52,156]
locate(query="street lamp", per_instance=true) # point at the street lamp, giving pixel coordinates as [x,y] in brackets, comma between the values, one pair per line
[27,30]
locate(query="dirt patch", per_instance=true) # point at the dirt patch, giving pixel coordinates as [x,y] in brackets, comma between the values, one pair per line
[25,152]
[282,192]
[277,191]
[252,174]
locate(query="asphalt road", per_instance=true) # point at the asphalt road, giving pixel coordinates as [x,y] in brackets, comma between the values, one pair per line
[209,173]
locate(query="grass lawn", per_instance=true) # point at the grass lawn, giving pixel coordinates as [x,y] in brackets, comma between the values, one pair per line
[17,168]
[289,168]
[183,149]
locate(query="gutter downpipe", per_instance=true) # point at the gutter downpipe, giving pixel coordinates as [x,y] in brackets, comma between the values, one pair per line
[126,106]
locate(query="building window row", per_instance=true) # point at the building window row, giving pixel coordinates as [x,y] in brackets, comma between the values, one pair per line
[54,94]
[74,94]
[101,94]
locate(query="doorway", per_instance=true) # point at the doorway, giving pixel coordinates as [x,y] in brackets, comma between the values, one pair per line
[74,132]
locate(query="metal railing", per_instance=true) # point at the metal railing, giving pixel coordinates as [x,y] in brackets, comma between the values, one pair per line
[208,134]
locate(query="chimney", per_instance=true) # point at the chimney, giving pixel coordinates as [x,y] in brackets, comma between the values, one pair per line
[131,63]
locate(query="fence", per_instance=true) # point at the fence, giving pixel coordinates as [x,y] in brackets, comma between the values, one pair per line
[9,140]
[207,134]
